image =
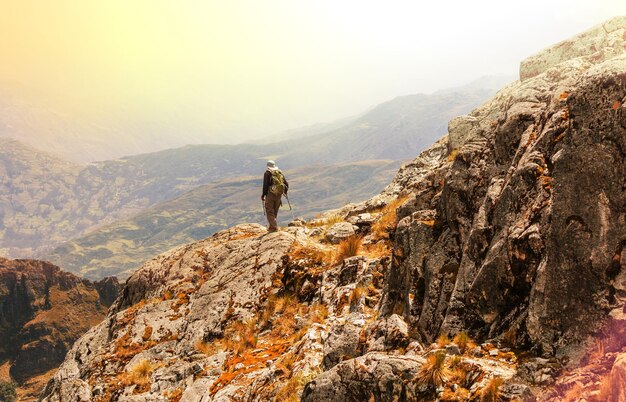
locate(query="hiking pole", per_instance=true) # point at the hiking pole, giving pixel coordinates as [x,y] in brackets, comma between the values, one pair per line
[290,209]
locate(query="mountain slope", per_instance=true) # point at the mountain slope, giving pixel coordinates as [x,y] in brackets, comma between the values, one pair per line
[118,248]
[36,216]
[507,235]
[398,129]
[38,197]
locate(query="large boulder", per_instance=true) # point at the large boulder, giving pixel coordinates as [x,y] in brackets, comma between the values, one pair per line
[340,231]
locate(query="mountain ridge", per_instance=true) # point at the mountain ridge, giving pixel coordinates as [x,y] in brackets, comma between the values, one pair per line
[486,238]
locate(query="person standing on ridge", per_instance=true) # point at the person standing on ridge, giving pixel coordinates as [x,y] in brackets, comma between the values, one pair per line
[274,186]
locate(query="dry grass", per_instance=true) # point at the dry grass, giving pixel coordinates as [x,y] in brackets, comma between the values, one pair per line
[387,220]
[491,393]
[331,220]
[442,341]
[287,307]
[463,341]
[290,391]
[286,363]
[461,394]
[174,396]
[605,390]
[434,372]
[312,255]
[207,348]
[139,374]
[356,295]
[377,250]
[275,304]
[455,361]
[241,336]
[453,154]
[349,248]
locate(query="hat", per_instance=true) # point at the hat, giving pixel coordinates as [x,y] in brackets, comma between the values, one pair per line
[271,164]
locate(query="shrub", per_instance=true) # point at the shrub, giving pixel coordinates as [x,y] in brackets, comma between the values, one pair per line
[8,391]
[434,372]
[349,248]
[491,393]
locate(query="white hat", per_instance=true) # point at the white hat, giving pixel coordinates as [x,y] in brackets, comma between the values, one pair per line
[271,164]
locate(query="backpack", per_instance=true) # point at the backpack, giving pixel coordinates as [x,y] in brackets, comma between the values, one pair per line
[278,182]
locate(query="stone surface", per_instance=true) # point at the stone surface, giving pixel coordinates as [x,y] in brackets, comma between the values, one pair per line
[340,231]
[597,44]
[377,375]
[618,379]
[390,333]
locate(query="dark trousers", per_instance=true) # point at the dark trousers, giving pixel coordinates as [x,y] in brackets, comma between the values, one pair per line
[272,204]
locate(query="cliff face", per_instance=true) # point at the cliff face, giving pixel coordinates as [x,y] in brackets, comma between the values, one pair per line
[43,310]
[507,235]
[528,206]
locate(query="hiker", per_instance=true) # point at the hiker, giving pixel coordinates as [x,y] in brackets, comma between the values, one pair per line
[274,186]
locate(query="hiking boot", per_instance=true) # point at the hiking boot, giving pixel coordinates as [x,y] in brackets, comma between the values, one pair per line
[270,230]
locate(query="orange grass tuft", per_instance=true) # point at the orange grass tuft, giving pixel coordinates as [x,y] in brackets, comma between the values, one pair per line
[349,248]
[387,220]
[491,393]
[434,372]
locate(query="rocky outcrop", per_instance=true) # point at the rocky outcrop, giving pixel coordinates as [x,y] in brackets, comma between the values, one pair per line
[523,206]
[169,308]
[596,45]
[43,310]
[232,317]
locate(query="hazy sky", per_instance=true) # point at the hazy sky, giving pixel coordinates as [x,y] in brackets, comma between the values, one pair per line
[235,67]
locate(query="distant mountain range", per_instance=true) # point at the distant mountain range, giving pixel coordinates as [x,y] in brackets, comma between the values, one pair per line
[26,117]
[46,200]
